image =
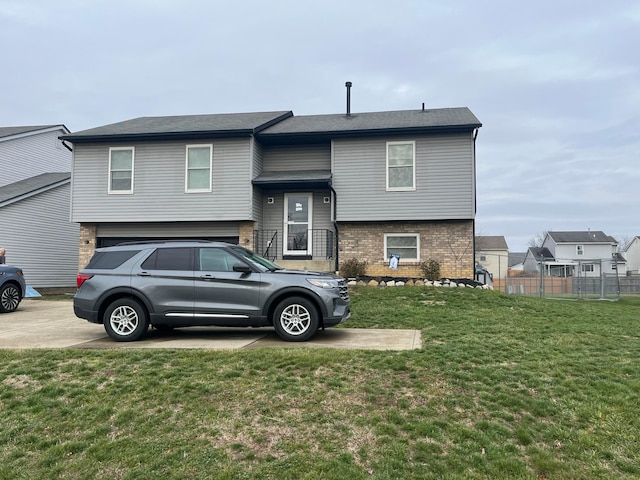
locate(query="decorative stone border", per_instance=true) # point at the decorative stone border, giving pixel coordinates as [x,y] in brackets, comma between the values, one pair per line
[445,282]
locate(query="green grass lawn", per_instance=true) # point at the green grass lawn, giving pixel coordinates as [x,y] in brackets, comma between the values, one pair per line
[504,387]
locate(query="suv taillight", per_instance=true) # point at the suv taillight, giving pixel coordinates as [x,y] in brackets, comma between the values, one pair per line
[80,279]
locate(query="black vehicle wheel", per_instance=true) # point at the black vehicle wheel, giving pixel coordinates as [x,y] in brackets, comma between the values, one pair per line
[9,298]
[125,320]
[295,319]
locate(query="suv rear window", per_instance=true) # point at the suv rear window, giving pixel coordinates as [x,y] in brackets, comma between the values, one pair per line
[110,260]
[169,259]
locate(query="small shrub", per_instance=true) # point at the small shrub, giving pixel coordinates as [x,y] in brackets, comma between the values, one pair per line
[353,268]
[430,269]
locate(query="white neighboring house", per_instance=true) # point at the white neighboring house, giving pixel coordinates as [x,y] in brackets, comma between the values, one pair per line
[492,253]
[632,254]
[35,189]
[592,252]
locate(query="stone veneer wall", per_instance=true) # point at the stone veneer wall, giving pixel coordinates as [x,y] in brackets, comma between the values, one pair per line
[88,236]
[449,242]
[245,234]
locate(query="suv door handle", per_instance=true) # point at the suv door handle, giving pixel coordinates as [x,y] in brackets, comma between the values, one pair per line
[207,276]
[144,274]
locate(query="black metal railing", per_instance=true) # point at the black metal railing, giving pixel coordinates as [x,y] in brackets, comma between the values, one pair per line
[268,243]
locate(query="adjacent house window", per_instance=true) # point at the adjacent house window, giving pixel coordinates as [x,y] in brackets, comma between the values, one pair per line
[198,168]
[401,171]
[407,245]
[121,169]
[587,267]
[579,249]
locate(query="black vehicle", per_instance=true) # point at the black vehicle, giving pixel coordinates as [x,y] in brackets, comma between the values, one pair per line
[12,288]
[169,284]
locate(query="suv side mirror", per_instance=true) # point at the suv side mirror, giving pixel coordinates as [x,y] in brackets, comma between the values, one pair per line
[241,267]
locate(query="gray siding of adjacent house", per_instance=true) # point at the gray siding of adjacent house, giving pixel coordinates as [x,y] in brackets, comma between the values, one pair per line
[159,184]
[445,183]
[31,155]
[296,158]
[39,238]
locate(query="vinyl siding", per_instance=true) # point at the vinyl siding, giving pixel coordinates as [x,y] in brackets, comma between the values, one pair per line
[296,157]
[159,184]
[591,251]
[445,183]
[42,240]
[256,199]
[28,156]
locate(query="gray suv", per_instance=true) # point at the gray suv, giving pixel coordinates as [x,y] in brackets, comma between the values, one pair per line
[12,288]
[170,284]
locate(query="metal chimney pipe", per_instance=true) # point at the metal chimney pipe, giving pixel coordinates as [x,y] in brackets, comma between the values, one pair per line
[348,85]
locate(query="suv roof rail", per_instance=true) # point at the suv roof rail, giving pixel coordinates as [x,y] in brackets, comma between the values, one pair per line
[169,240]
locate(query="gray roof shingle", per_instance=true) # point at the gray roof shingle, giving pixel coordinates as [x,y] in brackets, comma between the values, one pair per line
[29,185]
[181,126]
[282,124]
[375,121]
[488,242]
[9,131]
[581,237]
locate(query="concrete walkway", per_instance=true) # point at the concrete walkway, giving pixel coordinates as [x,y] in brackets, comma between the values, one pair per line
[52,324]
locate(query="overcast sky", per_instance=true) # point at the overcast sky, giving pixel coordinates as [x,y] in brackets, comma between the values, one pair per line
[556,84]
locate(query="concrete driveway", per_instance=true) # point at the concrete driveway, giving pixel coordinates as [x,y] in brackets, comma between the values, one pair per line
[51,324]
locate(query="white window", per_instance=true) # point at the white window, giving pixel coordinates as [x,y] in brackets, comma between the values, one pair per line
[401,171]
[121,169]
[406,245]
[579,249]
[198,168]
[587,267]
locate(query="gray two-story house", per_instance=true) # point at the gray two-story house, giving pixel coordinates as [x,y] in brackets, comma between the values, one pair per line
[307,191]
[35,189]
[576,253]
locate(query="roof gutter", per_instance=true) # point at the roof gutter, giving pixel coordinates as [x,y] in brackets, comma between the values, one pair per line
[150,137]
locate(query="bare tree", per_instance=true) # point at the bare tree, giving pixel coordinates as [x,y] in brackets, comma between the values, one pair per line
[537,239]
[624,241]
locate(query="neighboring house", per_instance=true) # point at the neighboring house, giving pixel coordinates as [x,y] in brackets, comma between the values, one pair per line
[632,255]
[307,191]
[537,256]
[516,261]
[492,253]
[35,192]
[585,253]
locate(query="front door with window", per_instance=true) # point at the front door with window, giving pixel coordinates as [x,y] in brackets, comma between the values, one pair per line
[297,223]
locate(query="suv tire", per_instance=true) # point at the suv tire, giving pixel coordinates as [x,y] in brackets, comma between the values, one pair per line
[295,319]
[125,320]
[9,298]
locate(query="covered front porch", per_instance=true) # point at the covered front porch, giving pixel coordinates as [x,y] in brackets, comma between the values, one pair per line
[315,248]
[296,228]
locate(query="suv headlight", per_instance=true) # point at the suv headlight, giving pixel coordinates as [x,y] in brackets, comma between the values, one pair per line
[323,283]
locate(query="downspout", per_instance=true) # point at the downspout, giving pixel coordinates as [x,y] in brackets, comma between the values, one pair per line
[335,225]
[475,203]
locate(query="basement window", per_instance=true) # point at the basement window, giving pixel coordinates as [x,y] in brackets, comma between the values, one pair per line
[406,245]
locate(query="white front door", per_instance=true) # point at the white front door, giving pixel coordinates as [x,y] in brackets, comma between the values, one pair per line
[297,223]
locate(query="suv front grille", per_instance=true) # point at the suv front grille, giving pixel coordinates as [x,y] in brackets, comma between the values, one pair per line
[344,289]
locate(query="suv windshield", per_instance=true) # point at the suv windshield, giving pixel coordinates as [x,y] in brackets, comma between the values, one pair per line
[256,260]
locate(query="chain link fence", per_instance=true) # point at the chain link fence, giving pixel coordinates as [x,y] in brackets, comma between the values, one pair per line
[592,279]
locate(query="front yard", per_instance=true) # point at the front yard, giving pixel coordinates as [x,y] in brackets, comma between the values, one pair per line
[504,387]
